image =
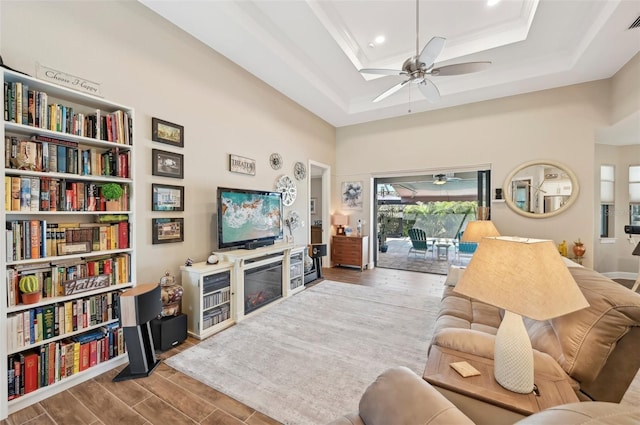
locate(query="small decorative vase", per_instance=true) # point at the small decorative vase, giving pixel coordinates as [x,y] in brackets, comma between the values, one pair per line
[31,298]
[579,249]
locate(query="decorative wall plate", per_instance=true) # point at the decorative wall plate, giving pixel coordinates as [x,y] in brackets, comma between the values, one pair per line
[300,171]
[287,187]
[275,160]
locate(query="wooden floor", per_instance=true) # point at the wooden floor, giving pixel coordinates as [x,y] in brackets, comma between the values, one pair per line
[170,397]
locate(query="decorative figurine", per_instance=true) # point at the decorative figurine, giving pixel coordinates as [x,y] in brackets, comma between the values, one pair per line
[213,259]
[562,248]
[189,262]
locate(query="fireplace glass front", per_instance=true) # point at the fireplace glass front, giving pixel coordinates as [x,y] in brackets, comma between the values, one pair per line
[262,285]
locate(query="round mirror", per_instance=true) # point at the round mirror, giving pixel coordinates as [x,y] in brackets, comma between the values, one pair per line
[540,189]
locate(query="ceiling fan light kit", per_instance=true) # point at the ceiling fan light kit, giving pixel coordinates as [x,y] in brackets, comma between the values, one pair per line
[418,67]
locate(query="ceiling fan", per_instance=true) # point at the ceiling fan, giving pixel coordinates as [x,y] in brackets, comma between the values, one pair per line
[444,178]
[418,67]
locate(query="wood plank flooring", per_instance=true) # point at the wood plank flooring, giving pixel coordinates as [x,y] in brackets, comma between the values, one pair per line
[171,397]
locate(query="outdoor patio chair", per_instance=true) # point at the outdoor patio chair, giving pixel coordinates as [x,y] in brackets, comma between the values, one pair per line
[466,249]
[419,241]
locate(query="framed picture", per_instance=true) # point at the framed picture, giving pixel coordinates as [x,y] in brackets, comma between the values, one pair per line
[239,164]
[351,195]
[312,205]
[166,197]
[167,164]
[167,230]
[166,132]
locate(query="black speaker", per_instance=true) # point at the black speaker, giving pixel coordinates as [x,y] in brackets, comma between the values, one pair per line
[169,331]
[632,230]
[317,250]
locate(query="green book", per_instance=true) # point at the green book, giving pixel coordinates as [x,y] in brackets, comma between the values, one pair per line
[48,325]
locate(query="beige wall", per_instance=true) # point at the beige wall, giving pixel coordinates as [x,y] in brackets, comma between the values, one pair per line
[554,124]
[625,91]
[147,64]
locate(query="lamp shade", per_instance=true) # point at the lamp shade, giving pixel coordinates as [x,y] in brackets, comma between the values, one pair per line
[476,230]
[524,276]
[340,220]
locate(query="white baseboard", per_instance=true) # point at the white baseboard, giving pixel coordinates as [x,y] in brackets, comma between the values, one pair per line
[621,275]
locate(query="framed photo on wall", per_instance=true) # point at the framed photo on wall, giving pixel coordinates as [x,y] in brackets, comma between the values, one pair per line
[312,205]
[167,164]
[167,132]
[167,230]
[166,197]
[351,195]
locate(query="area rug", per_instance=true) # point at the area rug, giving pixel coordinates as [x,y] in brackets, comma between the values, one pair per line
[309,358]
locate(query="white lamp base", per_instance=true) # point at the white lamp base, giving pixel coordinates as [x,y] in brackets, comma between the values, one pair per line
[513,356]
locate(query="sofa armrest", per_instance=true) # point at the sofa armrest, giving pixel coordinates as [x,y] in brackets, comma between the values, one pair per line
[400,397]
[483,345]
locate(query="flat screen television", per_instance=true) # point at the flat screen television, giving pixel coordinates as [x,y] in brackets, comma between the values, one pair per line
[248,218]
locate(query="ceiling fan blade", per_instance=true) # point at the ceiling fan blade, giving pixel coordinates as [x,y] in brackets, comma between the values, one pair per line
[391,91]
[431,51]
[429,90]
[459,69]
[382,71]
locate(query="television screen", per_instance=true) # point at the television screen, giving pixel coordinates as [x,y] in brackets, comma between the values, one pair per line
[248,216]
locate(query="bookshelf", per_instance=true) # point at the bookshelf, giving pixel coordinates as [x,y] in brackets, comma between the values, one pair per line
[207,298]
[60,148]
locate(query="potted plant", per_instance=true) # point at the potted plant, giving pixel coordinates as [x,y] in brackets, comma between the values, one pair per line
[383,221]
[30,288]
[112,192]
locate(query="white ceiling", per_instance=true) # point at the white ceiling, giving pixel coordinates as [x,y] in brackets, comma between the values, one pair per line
[311,50]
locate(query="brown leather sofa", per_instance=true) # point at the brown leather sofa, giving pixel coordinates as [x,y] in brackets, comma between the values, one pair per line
[400,397]
[597,347]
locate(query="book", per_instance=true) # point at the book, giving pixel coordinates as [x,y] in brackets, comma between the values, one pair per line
[31,362]
[48,315]
[15,193]
[25,194]
[35,194]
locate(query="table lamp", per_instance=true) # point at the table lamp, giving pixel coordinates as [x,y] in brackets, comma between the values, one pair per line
[476,230]
[525,277]
[340,221]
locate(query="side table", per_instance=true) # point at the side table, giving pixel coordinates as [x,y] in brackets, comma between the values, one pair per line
[482,399]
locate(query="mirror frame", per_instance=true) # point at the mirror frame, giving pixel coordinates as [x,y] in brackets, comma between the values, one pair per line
[575,188]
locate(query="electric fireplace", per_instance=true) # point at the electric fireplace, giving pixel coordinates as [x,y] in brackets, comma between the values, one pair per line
[262,285]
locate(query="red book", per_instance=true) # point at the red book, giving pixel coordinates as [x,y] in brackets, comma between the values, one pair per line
[123,235]
[93,353]
[31,372]
[52,363]
[85,350]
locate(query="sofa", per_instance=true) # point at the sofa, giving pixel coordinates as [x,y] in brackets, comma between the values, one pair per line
[596,347]
[400,397]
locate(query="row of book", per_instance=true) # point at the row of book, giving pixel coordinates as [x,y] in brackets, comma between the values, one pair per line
[42,323]
[25,194]
[23,105]
[53,362]
[65,278]
[47,154]
[33,239]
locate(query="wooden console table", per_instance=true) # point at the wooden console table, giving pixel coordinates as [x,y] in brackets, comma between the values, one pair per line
[350,251]
[482,398]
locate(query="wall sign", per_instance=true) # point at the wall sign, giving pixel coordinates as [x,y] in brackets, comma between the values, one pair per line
[67,80]
[239,164]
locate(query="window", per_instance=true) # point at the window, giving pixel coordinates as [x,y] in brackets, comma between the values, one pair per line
[607,198]
[634,195]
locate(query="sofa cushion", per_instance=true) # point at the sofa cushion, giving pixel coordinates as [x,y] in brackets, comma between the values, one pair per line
[581,342]
[592,413]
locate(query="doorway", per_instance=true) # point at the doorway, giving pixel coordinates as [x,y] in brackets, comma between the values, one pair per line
[319,199]
[438,203]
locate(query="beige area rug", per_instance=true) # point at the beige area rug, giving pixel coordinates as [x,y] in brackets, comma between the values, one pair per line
[308,359]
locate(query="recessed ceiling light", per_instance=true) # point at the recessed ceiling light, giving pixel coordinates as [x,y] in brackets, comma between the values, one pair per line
[492,2]
[380,39]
